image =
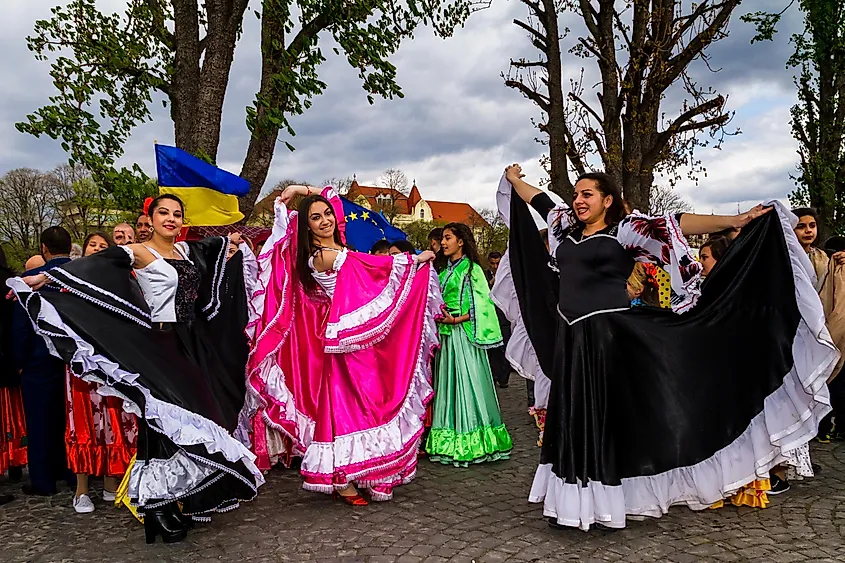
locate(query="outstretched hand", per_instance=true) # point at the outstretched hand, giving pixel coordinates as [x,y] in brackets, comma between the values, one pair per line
[425,256]
[236,238]
[513,173]
[744,218]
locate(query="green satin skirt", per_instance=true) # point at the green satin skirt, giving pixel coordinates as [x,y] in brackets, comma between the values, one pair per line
[467,425]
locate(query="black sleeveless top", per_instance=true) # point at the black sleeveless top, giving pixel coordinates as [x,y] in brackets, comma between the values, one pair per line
[594,270]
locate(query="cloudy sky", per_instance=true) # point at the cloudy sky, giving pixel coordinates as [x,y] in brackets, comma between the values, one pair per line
[457,126]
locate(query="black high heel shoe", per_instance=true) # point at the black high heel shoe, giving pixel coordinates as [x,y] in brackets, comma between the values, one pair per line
[161,521]
[184,520]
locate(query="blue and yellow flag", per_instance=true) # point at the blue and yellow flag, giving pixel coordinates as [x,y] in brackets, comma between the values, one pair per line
[364,227]
[209,193]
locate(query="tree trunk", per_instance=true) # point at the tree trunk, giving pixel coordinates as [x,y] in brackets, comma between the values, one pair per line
[224,23]
[262,144]
[559,181]
[185,84]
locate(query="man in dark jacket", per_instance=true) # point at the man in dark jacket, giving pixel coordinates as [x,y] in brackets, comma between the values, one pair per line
[43,383]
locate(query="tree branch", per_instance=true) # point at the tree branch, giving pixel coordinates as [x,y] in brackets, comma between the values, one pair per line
[682,124]
[536,8]
[161,32]
[527,64]
[694,48]
[536,34]
[593,135]
[576,98]
[539,99]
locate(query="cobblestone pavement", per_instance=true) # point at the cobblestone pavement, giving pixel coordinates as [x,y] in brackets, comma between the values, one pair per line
[447,514]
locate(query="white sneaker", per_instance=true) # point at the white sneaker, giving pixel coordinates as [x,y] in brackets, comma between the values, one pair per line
[109,496]
[82,504]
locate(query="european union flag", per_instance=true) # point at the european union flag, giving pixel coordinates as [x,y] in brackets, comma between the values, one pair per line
[209,193]
[364,227]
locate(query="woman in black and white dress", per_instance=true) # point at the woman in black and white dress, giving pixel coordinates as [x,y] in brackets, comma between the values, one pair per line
[636,422]
[170,342]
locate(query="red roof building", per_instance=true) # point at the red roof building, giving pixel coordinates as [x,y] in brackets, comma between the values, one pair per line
[399,208]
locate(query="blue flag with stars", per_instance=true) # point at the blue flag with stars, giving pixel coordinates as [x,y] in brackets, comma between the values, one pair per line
[364,227]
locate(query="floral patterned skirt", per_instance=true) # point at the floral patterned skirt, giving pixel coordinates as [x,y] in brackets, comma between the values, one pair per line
[100,437]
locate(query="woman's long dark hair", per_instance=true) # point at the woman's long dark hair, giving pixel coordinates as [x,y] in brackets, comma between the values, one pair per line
[470,249]
[305,246]
[607,186]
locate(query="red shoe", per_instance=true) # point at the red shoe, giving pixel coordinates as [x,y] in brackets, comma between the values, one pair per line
[353,500]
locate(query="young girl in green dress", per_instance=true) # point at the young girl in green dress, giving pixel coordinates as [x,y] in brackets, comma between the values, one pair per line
[467,426]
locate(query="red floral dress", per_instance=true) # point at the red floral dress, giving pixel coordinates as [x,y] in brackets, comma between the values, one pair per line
[100,437]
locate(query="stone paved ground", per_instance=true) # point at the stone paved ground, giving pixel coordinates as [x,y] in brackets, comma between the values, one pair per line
[447,514]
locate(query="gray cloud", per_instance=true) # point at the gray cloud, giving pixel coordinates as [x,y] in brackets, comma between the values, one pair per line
[457,125]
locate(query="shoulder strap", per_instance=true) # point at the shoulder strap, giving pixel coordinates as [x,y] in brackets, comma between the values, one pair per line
[153,251]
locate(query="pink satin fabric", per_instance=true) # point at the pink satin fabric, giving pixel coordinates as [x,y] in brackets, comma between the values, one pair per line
[355,413]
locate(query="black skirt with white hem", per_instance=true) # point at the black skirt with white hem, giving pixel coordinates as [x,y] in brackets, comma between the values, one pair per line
[650,409]
[185,383]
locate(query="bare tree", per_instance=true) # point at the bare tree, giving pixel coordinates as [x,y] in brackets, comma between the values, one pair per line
[664,200]
[342,185]
[263,213]
[26,209]
[490,230]
[641,48]
[388,203]
[81,206]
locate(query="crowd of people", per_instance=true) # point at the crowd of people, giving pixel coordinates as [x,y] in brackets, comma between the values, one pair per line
[180,372]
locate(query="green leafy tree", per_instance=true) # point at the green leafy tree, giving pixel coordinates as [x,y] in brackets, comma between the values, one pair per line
[417,232]
[818,119]
[491,232]
[108,68]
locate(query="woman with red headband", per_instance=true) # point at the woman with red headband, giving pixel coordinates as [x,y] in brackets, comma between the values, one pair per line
[170,344]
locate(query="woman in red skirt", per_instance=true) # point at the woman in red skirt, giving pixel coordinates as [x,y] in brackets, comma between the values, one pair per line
[12,424]
[100,437]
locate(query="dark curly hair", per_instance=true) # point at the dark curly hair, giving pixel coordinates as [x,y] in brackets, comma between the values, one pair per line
[607,186]
[464,233]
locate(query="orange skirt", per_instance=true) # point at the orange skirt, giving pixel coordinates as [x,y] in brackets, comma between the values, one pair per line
[100,437]
[753,495]
[12,429]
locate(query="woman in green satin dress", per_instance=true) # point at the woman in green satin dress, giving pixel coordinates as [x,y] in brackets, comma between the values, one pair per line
[467,426]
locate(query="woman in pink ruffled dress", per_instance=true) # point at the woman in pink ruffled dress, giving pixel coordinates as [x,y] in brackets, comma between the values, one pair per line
[341,346]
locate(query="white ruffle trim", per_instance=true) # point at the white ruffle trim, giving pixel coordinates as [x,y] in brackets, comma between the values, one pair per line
[376,307]
[520,351]
[789,420]
[166,479]
[371,444]
[183,427]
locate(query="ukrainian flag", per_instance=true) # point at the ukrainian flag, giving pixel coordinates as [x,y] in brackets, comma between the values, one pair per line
[209,193]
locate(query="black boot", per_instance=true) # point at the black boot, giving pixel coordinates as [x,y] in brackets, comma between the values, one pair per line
[161,521]
[184,520]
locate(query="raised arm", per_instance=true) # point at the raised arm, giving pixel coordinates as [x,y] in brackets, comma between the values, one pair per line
[298,189]
[692,224]
[526,191]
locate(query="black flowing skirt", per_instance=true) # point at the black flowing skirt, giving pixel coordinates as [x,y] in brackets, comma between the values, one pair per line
[185,382]
[649,409]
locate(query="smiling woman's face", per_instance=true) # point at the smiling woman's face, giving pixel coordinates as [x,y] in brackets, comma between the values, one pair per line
[167,218]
